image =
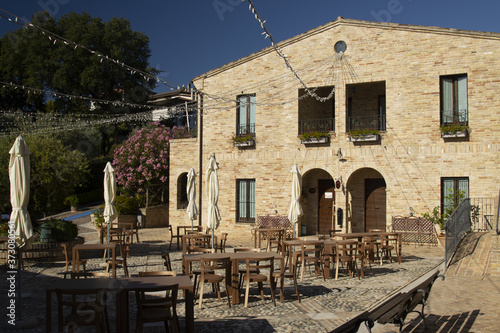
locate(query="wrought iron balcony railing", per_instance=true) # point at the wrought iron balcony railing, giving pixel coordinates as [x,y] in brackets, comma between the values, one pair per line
[366,122]
[245,129]
[317,125]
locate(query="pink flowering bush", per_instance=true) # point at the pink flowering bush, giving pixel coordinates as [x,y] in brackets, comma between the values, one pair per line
[143,159]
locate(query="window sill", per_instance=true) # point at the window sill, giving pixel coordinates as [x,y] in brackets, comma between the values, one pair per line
[248,143]
[310,141]
[365,138]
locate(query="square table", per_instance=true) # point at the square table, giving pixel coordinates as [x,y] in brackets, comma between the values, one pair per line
[235,259]
[121,287]
[86,246]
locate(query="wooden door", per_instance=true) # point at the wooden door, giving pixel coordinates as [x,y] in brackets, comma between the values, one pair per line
[326,207]
[375,204]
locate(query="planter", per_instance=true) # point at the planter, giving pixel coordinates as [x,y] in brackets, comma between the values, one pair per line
[457,134]
[248,143]
[323,139]
[365,138]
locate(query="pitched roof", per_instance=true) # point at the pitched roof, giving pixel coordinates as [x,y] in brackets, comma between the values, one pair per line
[350,22]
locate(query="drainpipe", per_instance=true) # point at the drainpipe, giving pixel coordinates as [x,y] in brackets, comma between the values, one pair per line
[200,157]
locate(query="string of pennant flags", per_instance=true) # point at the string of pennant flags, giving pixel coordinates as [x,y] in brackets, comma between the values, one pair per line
[210,97]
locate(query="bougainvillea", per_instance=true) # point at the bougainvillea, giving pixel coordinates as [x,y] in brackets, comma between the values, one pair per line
[143,159]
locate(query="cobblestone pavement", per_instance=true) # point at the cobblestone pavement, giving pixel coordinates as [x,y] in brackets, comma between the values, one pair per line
[457,304]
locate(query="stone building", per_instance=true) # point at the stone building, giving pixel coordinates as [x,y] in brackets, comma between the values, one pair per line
[412,114]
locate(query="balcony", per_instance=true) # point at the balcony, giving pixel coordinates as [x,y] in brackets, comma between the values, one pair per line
[454,126]
[365,128]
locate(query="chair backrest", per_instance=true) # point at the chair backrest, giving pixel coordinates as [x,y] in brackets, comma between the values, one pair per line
[148,297]
[246,249]
[376,230]
[158,273]
[195,249]
[168,262]
[86,308]
[347,249]
[260,263]
[208,265]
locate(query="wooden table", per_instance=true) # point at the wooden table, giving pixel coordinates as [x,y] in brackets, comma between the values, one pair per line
[81,247]
[361,235]
[235,259]
[122,287]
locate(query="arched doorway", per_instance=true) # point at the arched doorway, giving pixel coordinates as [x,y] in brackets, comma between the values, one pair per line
[368,202]
[318,202]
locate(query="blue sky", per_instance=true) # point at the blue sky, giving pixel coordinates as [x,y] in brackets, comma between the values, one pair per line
[189,38]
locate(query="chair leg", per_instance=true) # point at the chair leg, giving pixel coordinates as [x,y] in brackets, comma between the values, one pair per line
[273,295]
[201,294]
[247,292]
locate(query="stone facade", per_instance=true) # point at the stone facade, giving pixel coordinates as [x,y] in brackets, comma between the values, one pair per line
[402,63]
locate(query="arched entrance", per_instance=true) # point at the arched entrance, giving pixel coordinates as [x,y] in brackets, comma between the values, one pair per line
[368,202]
[318,199]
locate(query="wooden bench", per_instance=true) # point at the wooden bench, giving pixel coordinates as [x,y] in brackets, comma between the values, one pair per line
[393,310]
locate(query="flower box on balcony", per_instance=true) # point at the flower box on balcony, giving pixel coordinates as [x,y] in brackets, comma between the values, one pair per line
[313,140]
[247,143]
[451,135]
[365,138]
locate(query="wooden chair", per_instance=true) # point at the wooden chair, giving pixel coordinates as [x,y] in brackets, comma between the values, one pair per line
[312,253]
[69,261]
[223,239]
[208,275]
[172,237]
[242,271]
[363,255]
[266,263]
[152,307]
[387,244]
[167,262]
[86,308]
[346,256]
[284,273]
[120,262]
[196,272]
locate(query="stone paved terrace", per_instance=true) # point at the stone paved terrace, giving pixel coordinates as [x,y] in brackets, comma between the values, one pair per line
[463,302]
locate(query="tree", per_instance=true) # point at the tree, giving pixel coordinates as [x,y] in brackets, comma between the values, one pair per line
[56,171]
[143,159]
[28,57]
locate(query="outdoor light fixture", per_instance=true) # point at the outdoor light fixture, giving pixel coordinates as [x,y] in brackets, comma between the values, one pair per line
[341,156]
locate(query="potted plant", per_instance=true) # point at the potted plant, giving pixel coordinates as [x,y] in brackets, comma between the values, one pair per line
[73,201]
[127,208]
[243,141]
[314,137]
[366,134]
[455,130]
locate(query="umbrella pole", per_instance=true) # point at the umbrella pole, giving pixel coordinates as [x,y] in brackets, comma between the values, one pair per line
[212,239]
[108,242]
[19,302]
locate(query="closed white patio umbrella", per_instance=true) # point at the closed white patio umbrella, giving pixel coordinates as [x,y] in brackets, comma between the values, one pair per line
[19,176]
[192,210]
[213,217]
[295,211]
[109,195]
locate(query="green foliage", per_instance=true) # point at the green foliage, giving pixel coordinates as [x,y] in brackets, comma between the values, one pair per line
[4,228]
[126,205]
[316,135]
[436,217]
[243,138]
[98,217]
[30,58]
[362,132]
[453,128]
[72,200]
[62,231]
[56,171]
